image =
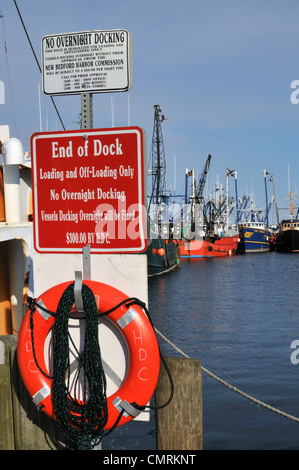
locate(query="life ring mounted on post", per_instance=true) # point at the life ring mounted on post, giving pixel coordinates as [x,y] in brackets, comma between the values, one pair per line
[133,324]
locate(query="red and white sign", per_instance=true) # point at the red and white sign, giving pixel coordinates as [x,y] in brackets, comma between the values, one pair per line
[89,188]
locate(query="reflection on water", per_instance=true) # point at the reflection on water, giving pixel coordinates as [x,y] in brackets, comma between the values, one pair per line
[239,316]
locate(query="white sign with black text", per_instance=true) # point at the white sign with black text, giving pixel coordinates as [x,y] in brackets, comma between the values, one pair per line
[87,62]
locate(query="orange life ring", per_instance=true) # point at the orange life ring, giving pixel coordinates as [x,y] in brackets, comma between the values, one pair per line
[144,358]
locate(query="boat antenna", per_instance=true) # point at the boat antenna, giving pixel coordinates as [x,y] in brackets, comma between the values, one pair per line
[36,59]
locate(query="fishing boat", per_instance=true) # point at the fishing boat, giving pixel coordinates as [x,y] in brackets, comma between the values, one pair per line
[163,255]
[209,233]
[209,247]
[163,252]
[256,235]
[287,237]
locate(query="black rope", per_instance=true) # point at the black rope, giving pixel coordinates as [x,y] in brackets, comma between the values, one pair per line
[82,421]
[32,304]
[135,301]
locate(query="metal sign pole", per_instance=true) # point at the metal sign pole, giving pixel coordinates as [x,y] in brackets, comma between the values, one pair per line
[86,111]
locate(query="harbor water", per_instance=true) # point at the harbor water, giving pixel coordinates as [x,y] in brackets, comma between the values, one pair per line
[238,315]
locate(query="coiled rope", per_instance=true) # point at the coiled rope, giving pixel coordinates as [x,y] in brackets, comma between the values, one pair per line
[81,421]
[231,387]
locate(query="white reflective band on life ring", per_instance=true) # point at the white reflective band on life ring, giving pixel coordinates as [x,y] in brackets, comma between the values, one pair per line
[39,396]
[127,317]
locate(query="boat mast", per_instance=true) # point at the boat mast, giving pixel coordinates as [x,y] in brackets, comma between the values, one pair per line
[267,209]
[228,173]
[158,159]
[274,194]
[236,193]
[193,192]
[291,206]
[275,200]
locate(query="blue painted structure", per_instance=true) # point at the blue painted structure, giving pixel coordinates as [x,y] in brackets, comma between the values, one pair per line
[255,237]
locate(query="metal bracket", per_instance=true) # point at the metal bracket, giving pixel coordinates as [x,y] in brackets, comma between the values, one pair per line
[86,263]
[78,278]
[78,291]
[124,404]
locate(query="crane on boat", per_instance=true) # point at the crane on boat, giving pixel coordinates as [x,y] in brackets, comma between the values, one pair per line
[158,159]
[202,179]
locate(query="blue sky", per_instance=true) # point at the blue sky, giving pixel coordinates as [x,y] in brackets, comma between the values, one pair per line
[221,71]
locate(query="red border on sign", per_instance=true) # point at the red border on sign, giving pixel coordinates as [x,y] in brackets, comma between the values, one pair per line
[89,189]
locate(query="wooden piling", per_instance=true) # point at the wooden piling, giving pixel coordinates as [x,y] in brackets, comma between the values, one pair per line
[179,424]
[6,408]
[23,427]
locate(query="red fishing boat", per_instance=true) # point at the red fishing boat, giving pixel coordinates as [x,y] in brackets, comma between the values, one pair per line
[209,233]
[209,247]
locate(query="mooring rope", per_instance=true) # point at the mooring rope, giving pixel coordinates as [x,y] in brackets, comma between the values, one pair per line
[231,387]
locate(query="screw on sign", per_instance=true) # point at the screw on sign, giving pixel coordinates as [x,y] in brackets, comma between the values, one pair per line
[88,187]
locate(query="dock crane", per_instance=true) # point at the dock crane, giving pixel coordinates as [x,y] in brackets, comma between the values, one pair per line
[197,190]
[202,180]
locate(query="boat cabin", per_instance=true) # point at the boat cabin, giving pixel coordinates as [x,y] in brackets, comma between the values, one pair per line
[290,224]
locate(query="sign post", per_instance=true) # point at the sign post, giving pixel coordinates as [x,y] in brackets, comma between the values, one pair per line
[86,111]
[89,185]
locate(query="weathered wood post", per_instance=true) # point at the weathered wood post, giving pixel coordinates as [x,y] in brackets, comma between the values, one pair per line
[23,427]
[179,425]
[6,408]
